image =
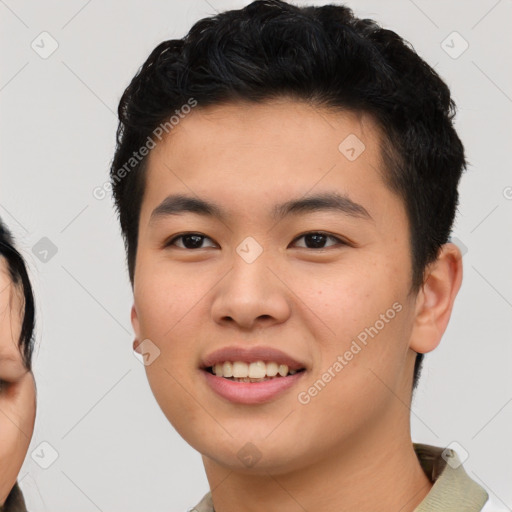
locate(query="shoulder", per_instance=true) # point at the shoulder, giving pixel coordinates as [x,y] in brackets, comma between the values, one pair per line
[15,501]
[205,505]
[452,488]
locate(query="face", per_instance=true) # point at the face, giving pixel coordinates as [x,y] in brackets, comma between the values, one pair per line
[320,284]
[17,388]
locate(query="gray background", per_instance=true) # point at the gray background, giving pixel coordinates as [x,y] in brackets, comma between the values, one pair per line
[116,450]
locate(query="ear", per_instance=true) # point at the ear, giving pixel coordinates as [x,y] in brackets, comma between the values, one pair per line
[136,327]
[435,299]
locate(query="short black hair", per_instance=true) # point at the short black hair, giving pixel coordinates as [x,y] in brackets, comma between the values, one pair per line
[322,55]
[19,276]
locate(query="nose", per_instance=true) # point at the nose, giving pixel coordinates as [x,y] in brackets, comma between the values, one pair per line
[251,295]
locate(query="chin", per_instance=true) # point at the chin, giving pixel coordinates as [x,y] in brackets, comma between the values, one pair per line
[250,460]
[250,455]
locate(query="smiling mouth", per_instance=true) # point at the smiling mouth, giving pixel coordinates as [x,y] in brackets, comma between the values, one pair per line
[258,371]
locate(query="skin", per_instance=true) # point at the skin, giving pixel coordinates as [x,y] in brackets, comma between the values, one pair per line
[18,395]
[350,447]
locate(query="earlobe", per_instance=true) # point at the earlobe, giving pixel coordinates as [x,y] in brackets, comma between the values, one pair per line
[435,299]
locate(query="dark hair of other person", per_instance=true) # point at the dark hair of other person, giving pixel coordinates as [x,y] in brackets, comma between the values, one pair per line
[19,276]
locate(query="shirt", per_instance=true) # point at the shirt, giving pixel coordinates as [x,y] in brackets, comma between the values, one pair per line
[15,501]
[452,491]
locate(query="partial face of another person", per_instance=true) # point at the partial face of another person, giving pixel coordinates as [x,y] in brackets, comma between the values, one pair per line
[17,386]
[306,281]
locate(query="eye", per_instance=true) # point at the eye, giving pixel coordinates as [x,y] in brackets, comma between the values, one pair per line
[189,241]
[316,239]
[3,386]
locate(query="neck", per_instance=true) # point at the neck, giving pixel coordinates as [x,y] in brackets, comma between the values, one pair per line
[377,471]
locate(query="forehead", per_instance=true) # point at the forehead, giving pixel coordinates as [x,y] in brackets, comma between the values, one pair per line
[246,153]
[277,126]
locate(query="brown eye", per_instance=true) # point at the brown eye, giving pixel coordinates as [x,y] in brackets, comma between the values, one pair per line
[317,240]
[189,241]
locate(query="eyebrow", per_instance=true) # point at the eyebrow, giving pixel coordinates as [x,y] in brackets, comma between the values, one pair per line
[330,201]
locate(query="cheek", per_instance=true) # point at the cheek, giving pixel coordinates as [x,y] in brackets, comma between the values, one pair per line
[347,297]
[361,316]
[15,436]
[169,310]
[164,301]
[13,449]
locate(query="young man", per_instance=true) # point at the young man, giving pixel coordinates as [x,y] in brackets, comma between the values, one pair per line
[286,181]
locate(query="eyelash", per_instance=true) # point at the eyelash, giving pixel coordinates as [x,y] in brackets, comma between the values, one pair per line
[323,233]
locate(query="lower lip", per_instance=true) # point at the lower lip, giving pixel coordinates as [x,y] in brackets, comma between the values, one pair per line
[251,392]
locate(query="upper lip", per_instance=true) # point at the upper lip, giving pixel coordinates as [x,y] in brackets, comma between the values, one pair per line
[250,355]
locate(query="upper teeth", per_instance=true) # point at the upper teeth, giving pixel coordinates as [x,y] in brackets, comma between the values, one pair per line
[256,370]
